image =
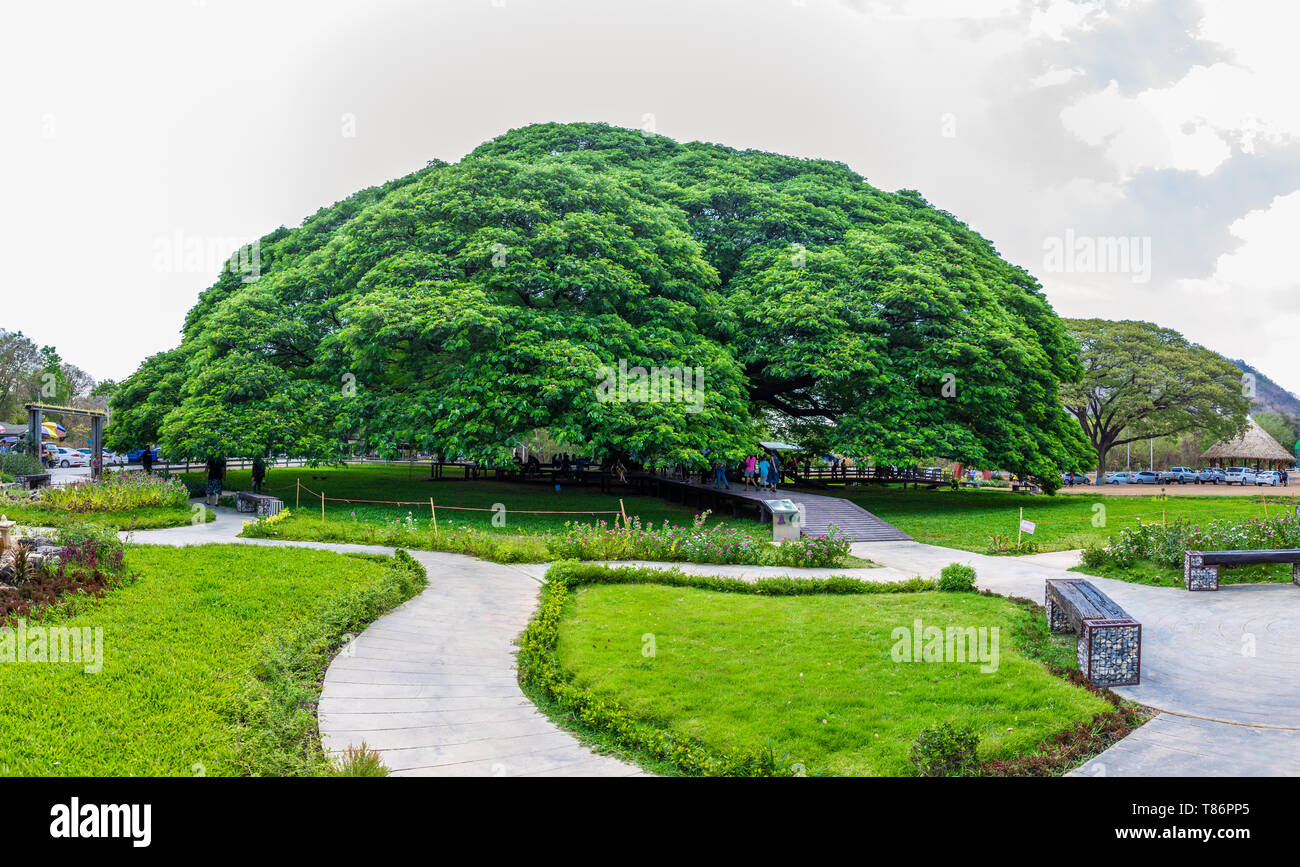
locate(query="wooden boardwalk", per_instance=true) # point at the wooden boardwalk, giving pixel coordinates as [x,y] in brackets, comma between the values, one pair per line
[820,511]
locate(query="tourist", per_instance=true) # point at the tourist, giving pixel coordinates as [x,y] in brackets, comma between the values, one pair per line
[776,470]
[146,459]
[764,473]
[1285,483]
[720,475]
[751,471]
[216,475]
[259,474]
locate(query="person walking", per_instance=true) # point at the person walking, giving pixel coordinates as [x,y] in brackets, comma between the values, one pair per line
[720,475]
[764,472]
[1285,482]
[216,475]
[750,469]
[259,474]
[146,459]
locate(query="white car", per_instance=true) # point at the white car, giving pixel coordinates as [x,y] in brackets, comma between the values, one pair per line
[1268,477]
[70,458]
[113,459]
[1119,478]
[1239,476]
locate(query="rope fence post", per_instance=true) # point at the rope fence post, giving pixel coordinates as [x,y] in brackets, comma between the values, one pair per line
[1020,530]
[622,511]
[434,512]
[322,505]
[297,493]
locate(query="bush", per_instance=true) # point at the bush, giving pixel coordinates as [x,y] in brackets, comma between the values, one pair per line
[946,751]
[1166,544]
[92,547]
[957,578]
[115,492]
[13,464]
[630,540]
[1095,556]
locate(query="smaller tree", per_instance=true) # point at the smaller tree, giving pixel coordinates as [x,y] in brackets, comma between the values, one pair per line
[1142,381]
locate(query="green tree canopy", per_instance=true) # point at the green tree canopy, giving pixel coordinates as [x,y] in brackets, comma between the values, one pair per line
[463,306]
[1143,382]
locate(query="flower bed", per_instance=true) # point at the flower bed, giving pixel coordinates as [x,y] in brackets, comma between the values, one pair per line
[696,544]
[1165,545]
[115,492]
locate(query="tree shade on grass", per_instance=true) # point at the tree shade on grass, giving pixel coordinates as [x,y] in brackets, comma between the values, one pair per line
[968,519]
[811,674]
[463,306]
[212,659]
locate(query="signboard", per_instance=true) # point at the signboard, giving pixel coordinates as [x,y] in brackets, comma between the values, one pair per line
[1027,526]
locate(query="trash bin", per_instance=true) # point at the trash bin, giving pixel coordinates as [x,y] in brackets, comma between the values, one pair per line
[787,519]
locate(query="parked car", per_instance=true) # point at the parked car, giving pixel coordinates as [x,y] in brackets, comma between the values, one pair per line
[1210,475]
[1239,476]
[1075,479]
[1181,475]
[1145,477]
[135,456]
[1119,478]
[1268,477]
[71,458]
[113,458]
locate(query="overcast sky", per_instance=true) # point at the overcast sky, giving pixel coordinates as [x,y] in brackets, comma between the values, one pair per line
[136,132]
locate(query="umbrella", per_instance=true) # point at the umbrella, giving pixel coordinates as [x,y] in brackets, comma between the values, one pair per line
[54,429]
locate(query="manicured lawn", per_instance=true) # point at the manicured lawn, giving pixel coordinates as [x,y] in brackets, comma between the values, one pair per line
[968,519]
[150,518]
[518,539]
[812,674]
[211,664]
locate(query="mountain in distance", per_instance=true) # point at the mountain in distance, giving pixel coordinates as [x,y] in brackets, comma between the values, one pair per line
[1269,396]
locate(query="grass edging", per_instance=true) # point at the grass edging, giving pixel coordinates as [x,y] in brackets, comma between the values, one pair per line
[608,725]
[276,707]
[541,673]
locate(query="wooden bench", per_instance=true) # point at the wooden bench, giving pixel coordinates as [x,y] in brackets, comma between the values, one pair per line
[1110,642]
[1201,568]
[263,505]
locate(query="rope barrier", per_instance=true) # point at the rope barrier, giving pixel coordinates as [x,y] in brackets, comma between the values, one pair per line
[462,508]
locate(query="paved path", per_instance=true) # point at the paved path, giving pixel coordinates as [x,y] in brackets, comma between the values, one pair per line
[431,685]
[1225,666]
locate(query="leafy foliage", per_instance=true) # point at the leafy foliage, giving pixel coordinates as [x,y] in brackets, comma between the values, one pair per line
[464,306]
[1142,382]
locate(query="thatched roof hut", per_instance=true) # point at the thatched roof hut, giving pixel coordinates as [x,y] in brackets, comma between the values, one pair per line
[1255,447]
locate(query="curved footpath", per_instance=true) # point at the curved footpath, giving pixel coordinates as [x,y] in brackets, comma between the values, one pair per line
[431,685]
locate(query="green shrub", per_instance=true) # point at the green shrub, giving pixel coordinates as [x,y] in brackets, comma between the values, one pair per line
[630,540]
[115,492]
[1095,556]
[946,751]
[13,464]
[358,762]
[957,578]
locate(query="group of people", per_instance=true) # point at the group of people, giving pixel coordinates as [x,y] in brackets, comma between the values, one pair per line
[762,471]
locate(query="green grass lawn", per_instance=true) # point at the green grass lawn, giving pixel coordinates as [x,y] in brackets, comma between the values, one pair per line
[211,665]
[150,518]
[812,674]
[519,539]
[968,519]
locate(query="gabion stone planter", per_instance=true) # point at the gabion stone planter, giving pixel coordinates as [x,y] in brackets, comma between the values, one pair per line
[1109,651]
[1201,568]
[1198,576]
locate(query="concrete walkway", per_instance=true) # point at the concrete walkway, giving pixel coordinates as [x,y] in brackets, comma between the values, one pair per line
[1225,666]
[431,685]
